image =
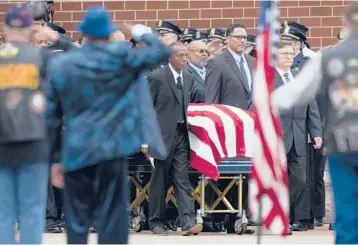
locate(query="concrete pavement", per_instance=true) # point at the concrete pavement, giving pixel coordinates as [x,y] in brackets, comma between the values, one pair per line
[318,236]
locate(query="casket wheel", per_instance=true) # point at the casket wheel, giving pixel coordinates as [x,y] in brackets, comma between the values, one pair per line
[137,224]
[240,227]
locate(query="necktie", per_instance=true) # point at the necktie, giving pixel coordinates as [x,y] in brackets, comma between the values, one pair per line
[287,78]
[243,72]
[181,99]
[202,74]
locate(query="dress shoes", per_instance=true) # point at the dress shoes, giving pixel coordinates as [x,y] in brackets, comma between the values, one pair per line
[299,226]
[159,230]
[318,222]
[53,228]
[191,229]
[331,227]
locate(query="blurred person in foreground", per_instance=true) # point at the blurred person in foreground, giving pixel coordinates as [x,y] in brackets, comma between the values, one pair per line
[23,136]
[94,89]
[334,74]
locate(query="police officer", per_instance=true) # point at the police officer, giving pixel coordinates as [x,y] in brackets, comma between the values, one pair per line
[188,35]
[23,137]
[297,37]
[215,43]
[334,74]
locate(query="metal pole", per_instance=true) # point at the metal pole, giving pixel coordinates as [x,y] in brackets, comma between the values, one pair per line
[259,228]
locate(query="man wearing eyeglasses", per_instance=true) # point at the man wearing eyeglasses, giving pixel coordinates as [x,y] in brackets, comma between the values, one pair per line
[295,134]
[229,75]
[229,82]
[197,59]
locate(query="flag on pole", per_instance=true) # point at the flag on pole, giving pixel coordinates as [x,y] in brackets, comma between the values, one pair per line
[268,182]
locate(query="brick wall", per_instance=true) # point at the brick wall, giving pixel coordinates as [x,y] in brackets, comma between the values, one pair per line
[323,17]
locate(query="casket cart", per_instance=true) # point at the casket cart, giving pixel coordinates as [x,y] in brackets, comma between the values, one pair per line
[225,131]
[235,170]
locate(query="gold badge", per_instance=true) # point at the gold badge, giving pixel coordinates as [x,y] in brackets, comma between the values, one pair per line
[37,102]
[12,99]
[286,28]
[160,24]
[212,32]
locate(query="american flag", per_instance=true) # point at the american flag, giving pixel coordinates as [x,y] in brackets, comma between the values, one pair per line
[217,132]
[268,182]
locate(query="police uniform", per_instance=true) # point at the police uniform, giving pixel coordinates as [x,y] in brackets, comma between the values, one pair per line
[334,75]
[293,31]
[164,27]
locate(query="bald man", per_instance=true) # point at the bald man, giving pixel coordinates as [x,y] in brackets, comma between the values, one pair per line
[198,56]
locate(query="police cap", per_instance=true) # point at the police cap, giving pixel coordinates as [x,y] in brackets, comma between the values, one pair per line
[164,26]
[216,33]
[292,33]
[200,36]
[188,34]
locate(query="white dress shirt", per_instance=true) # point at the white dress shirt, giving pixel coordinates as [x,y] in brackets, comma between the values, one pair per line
[282,73]
[304,87]
[238,58]
[200,71]
[176,74]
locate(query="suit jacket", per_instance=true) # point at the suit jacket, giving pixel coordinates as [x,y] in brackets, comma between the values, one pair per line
[296,121]
[199,85]
[166,101]
[225,84]
[94,89]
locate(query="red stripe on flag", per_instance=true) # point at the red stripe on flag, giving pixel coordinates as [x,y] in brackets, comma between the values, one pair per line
[219,125]
[239,129]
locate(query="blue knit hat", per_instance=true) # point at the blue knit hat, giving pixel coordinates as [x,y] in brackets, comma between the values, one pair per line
[97,23]
[19,17]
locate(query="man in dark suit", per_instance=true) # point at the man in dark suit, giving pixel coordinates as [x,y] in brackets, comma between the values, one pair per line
[229,75]
[295,123]
[198,57]
[294,33]
[170,88]
[229,81]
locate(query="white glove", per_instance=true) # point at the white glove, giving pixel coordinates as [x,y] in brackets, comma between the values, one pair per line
[139,30]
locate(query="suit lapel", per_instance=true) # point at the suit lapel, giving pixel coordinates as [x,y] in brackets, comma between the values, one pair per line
[170,79]
[196,75]
[232,62]
[250,62]
[187,88]
[278,80]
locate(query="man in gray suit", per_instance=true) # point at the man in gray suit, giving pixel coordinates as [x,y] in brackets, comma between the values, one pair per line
[295,123]
[229,81]
[229,75]
[198,57]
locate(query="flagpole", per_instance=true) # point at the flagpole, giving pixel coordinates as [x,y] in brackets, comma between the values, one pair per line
[259,228]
